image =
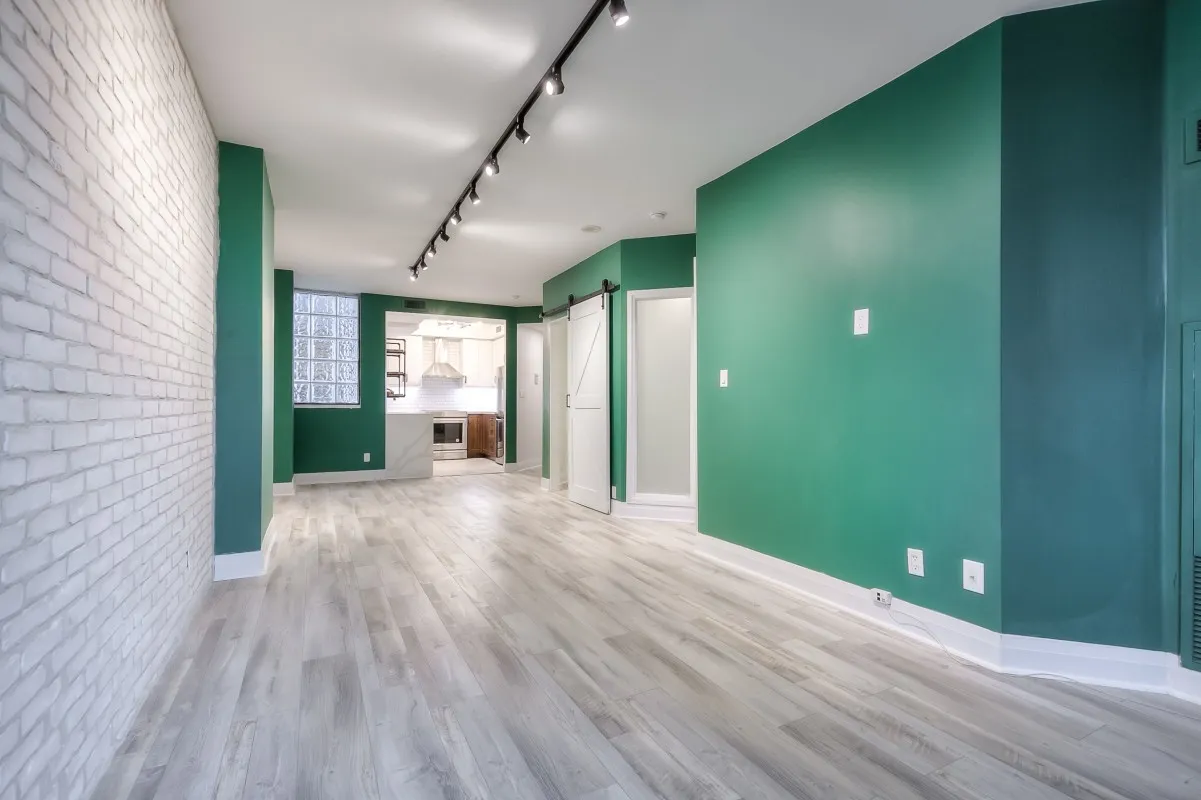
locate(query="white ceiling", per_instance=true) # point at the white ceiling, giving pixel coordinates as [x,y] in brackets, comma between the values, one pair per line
[374,113]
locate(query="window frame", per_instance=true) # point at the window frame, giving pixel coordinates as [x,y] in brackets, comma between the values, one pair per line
[358,349]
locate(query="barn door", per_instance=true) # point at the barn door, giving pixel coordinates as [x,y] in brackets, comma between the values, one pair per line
[588,403]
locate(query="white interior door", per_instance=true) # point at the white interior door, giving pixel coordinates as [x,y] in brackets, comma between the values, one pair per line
[588,403]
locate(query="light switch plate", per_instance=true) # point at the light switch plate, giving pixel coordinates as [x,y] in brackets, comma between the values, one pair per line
[723,378]
[917,563]
[862,321]
[366,458]
[973,576]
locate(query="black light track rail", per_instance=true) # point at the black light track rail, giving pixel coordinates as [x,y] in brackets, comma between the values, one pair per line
[617,9]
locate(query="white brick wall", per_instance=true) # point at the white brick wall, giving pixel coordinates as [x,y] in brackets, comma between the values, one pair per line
[107,267]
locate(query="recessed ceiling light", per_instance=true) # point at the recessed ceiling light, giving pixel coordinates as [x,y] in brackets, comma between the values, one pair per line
[659,215]
[591,229]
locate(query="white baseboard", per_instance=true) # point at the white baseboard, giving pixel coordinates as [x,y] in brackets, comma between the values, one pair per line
[283,489]
[233,566]
[545,484]
[656,512]
[1100,665]
[357,476]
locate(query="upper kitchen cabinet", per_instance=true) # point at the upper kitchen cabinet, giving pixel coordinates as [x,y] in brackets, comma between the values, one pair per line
[479,366]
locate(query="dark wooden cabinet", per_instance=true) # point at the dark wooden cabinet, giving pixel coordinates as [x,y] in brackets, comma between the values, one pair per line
[481,436]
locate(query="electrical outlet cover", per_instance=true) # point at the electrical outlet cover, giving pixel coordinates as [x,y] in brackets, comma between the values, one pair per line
[723,378]
[973,576]
[366,458]
[882,597]
[917,563]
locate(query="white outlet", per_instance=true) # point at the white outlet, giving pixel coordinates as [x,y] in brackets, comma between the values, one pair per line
[862,321]
[917,563]
[973,576]
[882,598]
[723,379]
[366,458]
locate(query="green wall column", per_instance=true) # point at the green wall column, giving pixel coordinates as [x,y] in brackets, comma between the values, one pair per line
[245,373]
[282,392]
[1182,218]
[1082,321]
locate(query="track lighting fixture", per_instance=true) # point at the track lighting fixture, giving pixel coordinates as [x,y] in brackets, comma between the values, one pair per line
[552,84]
[554,81]
[617,10]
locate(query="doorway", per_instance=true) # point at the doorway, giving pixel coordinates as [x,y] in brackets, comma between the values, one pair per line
[661,404]
[530,349]
[556,399]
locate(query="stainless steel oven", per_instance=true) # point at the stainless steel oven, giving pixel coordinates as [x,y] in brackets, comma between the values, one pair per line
[450,435]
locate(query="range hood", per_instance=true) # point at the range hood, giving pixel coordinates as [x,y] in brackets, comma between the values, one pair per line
[442,368]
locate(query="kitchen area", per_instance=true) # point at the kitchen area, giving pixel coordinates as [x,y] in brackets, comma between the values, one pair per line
[445,382]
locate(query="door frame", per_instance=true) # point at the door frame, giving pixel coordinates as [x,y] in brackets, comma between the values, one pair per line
[1190,537]
[633,496]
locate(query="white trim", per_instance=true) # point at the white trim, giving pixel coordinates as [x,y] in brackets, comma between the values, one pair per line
[665,513]
[356,476]
[1100,665]
[233,566]
[545,484]
[676,500]
[633,296]
[283,489]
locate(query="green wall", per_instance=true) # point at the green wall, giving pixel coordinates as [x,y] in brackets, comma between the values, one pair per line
[1182,195]
[1082,325]
[658,262]
[244,351]
[282,392]
[834,451]
[334,439]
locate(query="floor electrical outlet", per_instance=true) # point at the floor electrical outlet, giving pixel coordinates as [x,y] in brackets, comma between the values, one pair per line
[882,598]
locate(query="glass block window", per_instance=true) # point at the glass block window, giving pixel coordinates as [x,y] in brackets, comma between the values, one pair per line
[325,349]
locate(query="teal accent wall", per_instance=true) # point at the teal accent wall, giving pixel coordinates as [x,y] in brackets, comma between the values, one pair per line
[282,391]
[244,351]
[334,439]
[839,452]
[1182,225]
[1082,324]
[658,262]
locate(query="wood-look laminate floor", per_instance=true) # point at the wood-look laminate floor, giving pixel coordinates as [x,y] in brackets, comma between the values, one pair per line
[478,638]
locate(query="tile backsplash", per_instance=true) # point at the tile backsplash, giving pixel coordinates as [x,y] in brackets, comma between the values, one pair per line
[442,395]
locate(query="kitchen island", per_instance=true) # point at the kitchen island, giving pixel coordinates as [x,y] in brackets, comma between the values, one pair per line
[409,444]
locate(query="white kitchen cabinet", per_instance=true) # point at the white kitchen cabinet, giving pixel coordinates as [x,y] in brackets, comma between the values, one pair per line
[477,362]
[498,354]
[415,362]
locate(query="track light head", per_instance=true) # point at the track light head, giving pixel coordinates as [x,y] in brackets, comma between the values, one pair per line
[617,10]
[443,235]
[431,251]
[554,81]
[522,134]
[491,166]
[413,273]
[474,197]
[455,216]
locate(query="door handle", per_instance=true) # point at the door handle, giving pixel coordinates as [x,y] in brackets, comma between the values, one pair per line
[569,401]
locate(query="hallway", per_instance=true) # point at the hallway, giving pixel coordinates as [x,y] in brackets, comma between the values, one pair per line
[479,638]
